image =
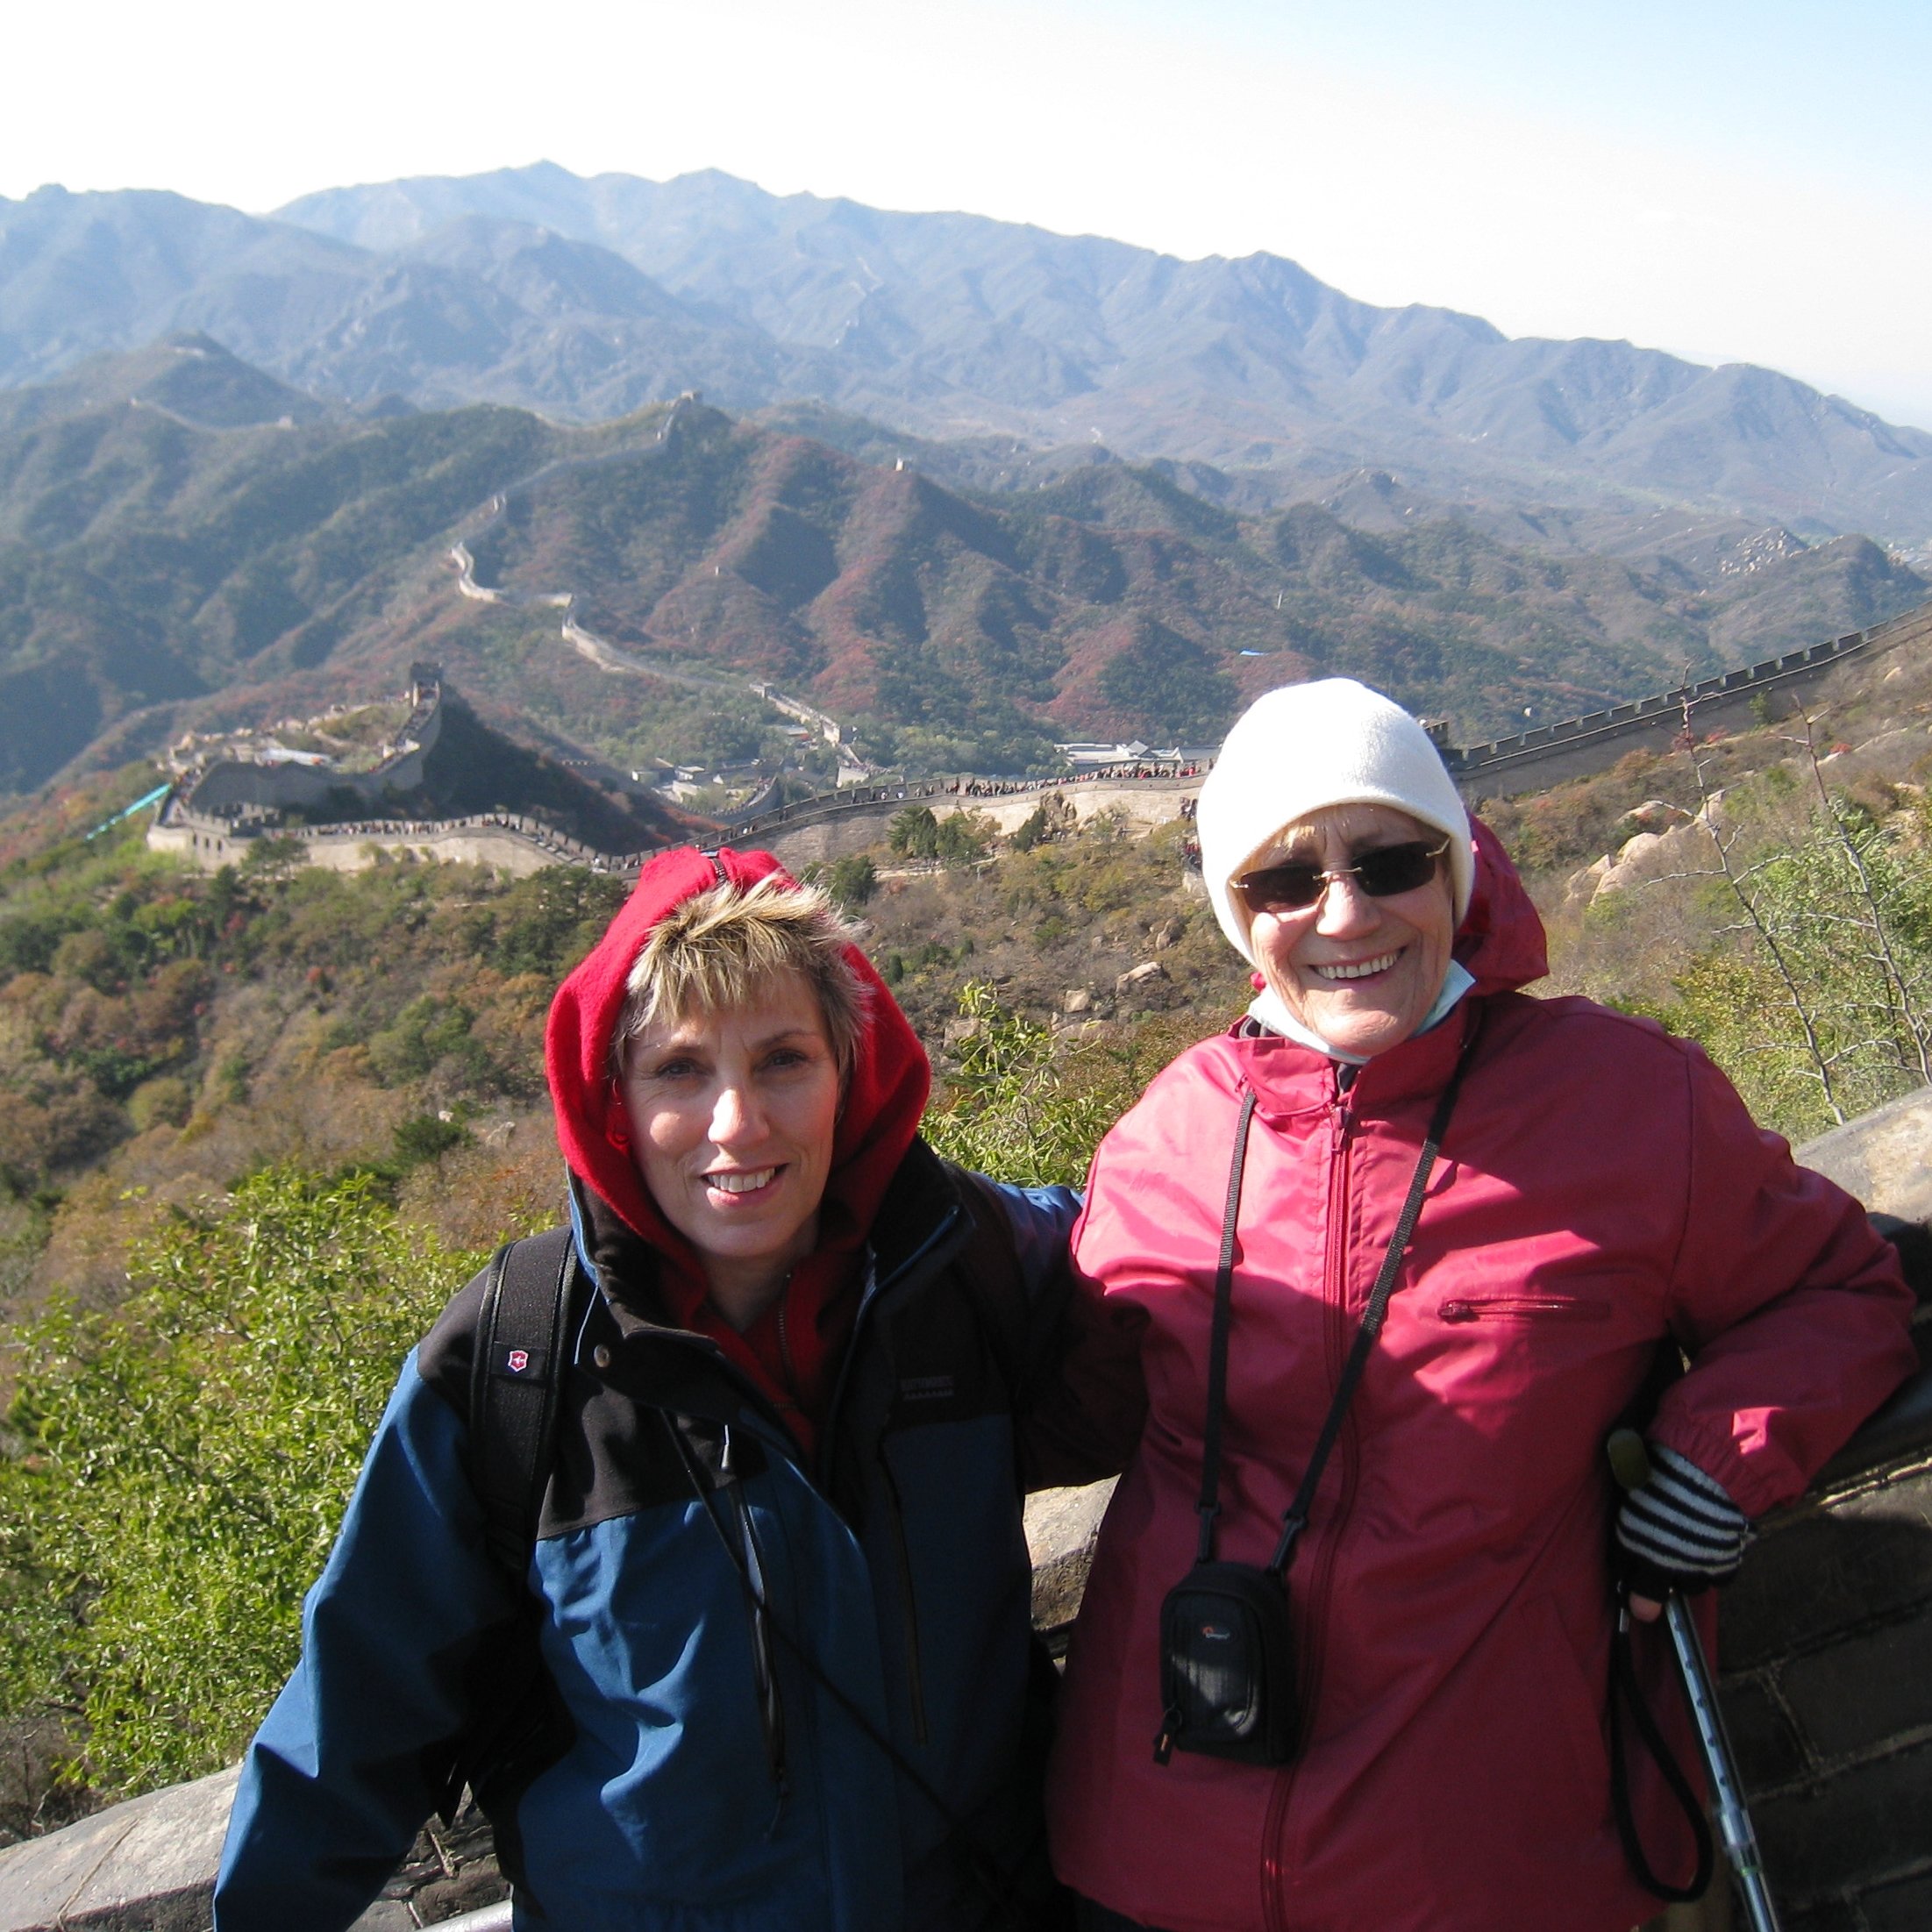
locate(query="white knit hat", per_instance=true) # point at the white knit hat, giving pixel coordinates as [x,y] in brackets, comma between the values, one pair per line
[1294,751]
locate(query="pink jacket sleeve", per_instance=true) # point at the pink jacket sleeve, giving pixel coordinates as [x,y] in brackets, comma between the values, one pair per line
[1790,1306]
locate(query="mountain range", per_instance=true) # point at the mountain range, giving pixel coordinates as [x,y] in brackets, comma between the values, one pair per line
[588,299]
[184,539]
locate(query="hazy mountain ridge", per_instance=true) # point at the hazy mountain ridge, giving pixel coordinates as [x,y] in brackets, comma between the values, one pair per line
[589,298]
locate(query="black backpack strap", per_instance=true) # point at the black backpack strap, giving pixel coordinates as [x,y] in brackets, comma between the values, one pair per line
[523,1336]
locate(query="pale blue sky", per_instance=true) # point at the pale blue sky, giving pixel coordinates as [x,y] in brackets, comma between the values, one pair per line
[1726,181]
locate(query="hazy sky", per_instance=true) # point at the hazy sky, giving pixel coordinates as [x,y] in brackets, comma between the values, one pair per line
[1732,181]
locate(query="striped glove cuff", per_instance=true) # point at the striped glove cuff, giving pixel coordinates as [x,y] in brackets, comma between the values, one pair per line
[1680,1529]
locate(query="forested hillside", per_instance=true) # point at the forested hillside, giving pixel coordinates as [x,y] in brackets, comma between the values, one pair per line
[160,568]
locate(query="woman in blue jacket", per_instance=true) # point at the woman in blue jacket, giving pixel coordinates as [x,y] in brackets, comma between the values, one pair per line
[764,1658]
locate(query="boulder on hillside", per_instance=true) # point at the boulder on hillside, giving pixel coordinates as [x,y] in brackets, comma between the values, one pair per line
[1654,814]
[1584,884]
[1634,850]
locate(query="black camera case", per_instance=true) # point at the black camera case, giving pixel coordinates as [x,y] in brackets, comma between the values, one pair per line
[1227,1666]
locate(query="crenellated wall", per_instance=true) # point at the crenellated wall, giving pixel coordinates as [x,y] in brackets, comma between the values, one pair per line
[1578,747]
[231,785]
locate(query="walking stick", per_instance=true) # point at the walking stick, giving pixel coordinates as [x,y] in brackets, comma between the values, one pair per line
[1631,1465]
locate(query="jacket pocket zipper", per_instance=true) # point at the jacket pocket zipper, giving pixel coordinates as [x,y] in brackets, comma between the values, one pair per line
[1524,1308]
[908,1600]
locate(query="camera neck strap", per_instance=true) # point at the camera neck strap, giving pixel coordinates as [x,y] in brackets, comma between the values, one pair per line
[1295,1518]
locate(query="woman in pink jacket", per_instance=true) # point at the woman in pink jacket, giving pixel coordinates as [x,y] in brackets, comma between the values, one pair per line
[1427,1745]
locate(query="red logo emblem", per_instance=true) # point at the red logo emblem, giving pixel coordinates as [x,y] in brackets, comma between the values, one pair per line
[519,1360]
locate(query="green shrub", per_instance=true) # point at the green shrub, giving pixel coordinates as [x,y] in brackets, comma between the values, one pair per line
[961,838]
[1819,1003]
[1024,1108]
[180,1466]
[426,1137]
[163,1103]
[852,881]
[1008,1113]
[914,833]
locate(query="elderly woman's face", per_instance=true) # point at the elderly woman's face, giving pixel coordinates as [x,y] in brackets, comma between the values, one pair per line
[732,1116]
[1361,972]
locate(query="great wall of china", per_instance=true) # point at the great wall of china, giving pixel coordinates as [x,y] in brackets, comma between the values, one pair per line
[214,830]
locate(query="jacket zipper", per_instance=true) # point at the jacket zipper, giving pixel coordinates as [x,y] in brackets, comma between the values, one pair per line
[771,1705]
[1275,1875]
[909,1606]
[1523,1307]
[784,1339]
[875,1291]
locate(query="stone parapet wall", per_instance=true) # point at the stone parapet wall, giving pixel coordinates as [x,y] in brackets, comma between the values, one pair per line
[821,830]
[1826,1681]
[505,841]
[1825,1651]
[1578,747]
[149,1866]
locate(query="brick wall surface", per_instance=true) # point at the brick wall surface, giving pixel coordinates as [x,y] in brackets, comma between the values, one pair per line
[1826,1679]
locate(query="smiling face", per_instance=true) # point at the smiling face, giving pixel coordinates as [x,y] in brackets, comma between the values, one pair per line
[1361,972]
[732,1116]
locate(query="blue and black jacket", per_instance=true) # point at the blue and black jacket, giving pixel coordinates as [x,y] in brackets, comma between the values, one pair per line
[657,1753]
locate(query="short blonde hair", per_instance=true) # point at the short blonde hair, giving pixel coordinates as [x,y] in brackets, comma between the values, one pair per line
[725,946]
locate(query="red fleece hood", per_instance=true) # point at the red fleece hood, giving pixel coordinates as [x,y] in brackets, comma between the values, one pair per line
[884,1100]
[1500,940]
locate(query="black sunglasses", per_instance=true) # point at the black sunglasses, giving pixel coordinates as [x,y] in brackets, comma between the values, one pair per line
[1382,871]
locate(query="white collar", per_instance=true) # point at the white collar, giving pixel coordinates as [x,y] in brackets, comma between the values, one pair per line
[1267,1010]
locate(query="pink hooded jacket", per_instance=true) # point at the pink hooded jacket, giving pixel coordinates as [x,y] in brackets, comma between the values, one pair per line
[1600,1188]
